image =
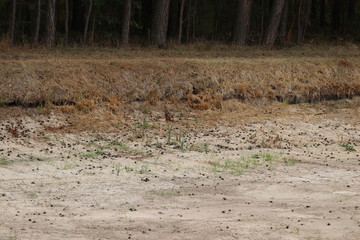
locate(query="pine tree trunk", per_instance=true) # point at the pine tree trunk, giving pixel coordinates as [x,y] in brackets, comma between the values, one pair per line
[351,15]
[216,31]
[194,21]
[87,22]
[299,19]
[188,17]
[335,18]
[66,22]
[159,24]
[303,19]
[51,24]
[181,20]
[273,27]
[242,23]
[77,16]
[19,27]
[284,20]
[92,39]
[343,16]
[12,24]
[174,18]
[146,13]
[351,9]
[126,23]
[38,20]
[322,13]
[262,19]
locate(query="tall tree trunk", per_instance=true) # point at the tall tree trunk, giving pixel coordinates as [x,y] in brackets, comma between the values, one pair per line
[262,19]
[188,18]
[351,9]
[335,18]
[146,13]
[174,18]
[12,24]
[66,22]
[284,20]
[87,22]
[92,35]
[126,23]
[51,24]
[160,22]
[38,20]
[273,27]
[242,23]
[299,21]
[194,21]
[216,27]
[77,16]
[351,15]
[181,20]
[303,19]
[343,16]
[314,13]
[19,26]
[322,13]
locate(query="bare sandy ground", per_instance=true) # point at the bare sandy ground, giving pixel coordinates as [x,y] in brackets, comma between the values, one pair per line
[289,176]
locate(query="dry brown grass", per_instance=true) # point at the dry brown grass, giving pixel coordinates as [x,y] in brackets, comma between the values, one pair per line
[83,80]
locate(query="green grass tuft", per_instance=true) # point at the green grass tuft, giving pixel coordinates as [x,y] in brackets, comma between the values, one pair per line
[290,161]
[348,147]
[4,161]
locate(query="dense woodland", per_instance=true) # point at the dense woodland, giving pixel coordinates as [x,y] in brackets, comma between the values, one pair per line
[157,22]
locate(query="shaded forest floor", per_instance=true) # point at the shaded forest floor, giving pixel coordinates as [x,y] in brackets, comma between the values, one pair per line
[86,155]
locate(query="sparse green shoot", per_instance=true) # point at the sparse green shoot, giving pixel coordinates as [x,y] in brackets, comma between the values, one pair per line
[169,131]
[100,152]
[118,169]
[182,143]
[290,161]
[166,193]
[32,195]
[68,165]
[88,155]
[200,148]
[2,103]
[4,161]
[348,147]
[122,146]
[266,156]
[238,166]
[128,169]
[144,169]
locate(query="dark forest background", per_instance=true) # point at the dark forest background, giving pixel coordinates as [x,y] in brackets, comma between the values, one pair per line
[115,23]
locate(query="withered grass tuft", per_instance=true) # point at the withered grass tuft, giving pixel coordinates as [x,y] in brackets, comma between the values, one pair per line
[82,80]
